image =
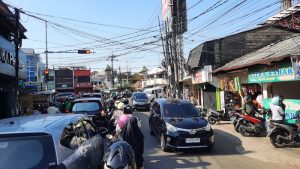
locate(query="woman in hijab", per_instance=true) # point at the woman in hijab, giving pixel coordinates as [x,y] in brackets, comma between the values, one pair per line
[133,135]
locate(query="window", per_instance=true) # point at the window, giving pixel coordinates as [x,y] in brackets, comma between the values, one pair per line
[85,106]
[68,138]
[178,109]
[140,96]
[25,151]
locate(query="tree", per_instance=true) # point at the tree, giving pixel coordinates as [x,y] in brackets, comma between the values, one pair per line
[134,78]
[144,69]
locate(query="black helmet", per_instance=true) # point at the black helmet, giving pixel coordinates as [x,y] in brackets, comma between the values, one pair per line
[128,109]
[119,155]
[125,101]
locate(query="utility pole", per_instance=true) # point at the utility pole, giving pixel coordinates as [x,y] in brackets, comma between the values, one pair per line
[112,58]
[120,77]
[46,27]
[127,71]
[17,42]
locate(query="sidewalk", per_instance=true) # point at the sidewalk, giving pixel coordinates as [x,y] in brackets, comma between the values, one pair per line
[261,147]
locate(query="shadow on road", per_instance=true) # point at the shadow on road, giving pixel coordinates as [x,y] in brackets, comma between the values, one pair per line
[225,144]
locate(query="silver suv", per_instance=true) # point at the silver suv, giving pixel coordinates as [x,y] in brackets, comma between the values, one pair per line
[50,141]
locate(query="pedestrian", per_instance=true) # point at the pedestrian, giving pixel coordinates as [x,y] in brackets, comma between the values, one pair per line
[133,135]
[278,114]
[249,107]
[68,105]
[52,109]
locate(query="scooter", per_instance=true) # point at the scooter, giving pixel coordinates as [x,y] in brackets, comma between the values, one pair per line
[252,126]
[236,117]
[215,116]
[282,135]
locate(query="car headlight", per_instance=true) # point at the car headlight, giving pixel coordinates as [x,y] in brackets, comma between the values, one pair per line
[133,102]
[171,128]
[208,127]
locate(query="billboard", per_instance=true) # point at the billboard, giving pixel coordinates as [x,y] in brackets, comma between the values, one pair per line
[175,14]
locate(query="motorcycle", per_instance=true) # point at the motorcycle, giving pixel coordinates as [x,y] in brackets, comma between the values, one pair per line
[215,116]
[282,135]
[249,126]
[235,118]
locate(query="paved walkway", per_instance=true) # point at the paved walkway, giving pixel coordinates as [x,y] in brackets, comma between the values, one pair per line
[262,147]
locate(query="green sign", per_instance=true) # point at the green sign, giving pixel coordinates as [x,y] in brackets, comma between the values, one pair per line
[292,110]
[277,73]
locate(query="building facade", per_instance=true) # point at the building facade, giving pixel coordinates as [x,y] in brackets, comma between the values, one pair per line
[82,81]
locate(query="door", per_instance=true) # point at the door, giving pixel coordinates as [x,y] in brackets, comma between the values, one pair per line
[95,145]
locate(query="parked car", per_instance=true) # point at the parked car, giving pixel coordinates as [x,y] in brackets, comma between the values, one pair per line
[50,141]
[93,108]
[140,100]
[179,125]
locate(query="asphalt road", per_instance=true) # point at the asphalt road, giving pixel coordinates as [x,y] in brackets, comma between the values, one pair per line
[227,153]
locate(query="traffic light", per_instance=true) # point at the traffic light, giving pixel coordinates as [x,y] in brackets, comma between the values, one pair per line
[84,51]
[46,75]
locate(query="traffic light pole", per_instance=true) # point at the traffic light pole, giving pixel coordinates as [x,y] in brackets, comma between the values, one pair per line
[46,27]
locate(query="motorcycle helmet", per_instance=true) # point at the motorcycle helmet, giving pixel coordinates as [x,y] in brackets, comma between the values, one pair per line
[281,98]
[123,120]
[128,109]
[119,156]
[276,100]
[125,101]
[120,106]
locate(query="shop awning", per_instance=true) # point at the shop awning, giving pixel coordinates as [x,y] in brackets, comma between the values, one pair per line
[266,55]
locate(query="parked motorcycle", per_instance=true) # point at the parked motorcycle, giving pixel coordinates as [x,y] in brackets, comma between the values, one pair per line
[236,117]
[215,116]
[282,135]
[249,126]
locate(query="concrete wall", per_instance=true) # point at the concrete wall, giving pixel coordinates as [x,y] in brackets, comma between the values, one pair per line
[290,90]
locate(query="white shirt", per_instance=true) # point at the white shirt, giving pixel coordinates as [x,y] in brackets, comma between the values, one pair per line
[52,110]
[277,112]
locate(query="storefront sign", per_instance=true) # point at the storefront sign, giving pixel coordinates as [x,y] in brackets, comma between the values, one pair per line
[8,60]
[83,85]
[292,110]
[203,75]
[277,73]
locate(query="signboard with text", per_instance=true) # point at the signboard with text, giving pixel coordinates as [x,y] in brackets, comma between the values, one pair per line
[203,75]
[275,73]
[292,110]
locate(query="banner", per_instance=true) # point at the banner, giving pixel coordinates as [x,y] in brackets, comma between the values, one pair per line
[292,110]
[275,73]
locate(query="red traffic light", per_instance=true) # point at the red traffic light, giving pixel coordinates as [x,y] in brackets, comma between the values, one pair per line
[85,51]
[46,72]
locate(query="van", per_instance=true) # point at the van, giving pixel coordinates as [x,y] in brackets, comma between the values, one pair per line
[156,92]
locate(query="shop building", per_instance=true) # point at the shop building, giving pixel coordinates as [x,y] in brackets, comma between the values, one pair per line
[7,63]
[217,53]
[275,69]
[82,81]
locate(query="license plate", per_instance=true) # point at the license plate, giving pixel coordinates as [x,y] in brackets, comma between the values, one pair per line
[192,140]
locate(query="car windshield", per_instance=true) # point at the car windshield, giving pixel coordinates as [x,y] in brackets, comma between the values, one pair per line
[23,152]
[85,106]
[64,94]
[140,96]
[180,110]
[92,95]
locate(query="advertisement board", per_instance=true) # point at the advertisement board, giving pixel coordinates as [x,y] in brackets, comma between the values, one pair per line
[292,110]
[275,73]
[8,59]
[203,75]
[167,13]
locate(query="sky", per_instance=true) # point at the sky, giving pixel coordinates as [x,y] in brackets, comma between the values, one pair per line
[128,28]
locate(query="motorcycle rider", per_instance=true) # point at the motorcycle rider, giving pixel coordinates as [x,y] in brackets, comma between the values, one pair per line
[278,114]
[117,113]
[249,107]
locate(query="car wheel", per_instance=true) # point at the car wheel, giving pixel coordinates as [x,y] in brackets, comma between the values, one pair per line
[163,144]
[212,120]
